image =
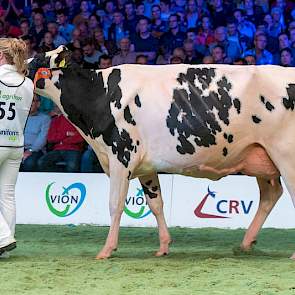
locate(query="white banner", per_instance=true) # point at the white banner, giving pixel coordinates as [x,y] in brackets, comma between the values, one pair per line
[78,198]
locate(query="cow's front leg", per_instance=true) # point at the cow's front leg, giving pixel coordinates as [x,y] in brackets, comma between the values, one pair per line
[118,191]
[270,192]
[152,190]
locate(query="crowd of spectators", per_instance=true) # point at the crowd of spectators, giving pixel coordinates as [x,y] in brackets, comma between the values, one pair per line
[104,33]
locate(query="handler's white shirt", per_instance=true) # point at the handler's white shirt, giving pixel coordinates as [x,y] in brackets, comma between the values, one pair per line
[16,94]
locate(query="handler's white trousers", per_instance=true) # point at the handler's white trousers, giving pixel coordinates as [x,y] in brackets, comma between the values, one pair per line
[10,159]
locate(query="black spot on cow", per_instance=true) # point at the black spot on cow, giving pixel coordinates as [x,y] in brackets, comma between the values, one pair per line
[129,175]
[255,119]
[40,83]
[267,104]
[114,90]
[148,183]
[230,138]
[154,188]
[95,118]
[225,136]
[137,142]
[237,105]
[289,102]
[192,113]
[224,152]
[147,192]
[128,116]
[137,101]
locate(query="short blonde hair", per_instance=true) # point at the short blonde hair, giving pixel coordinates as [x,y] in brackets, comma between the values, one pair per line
[15,52]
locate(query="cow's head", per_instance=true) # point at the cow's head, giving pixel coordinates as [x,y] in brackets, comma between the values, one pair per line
[58,58]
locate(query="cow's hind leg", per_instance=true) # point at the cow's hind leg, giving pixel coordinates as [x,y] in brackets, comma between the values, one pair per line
[119,183]
[270,192]
[152,190]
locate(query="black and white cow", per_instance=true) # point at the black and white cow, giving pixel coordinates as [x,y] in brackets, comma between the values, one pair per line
[201,121]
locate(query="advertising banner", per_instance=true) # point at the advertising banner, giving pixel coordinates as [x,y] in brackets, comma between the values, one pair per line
[81,198]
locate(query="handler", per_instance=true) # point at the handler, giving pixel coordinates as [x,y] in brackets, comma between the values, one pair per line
[16,94]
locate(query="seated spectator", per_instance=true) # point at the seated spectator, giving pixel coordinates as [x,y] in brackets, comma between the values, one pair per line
[130,17]
[48,11]
[205,34]
[178,6]
[104,62]
[165,9]
[192,14]
[118,29]
[218,54]
[125,56]
[284,42]
[107,16]
[72,9]
[58,40]
[144,43]
[191,55]
[272,43]
[47,43]
[65,29]
[253,13]
[219,14]
[286,59]
[75,41]
[35,136]
[24,27]
[93,23]
[277,26]
[176,60]
[84,14]
[38,28]
[84,32]
[179,52]
[141,59]
[250,59]
[231,49]
[234,35]
[139,7]
[174,37]
[65,145]
[105,46]
[208,59]
[245,27]
[158,26]
[91,56]
[262,56]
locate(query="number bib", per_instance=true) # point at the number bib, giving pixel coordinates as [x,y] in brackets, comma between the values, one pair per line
[15,104]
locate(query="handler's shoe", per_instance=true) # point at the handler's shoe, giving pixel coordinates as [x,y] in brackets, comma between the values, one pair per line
[8,247]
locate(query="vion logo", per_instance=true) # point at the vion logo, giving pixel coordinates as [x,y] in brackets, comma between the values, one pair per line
[222,207]
[137,207]
[66,201]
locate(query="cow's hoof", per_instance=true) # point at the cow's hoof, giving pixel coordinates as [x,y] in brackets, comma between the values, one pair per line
[161,253]
[102,256]
[293,256]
